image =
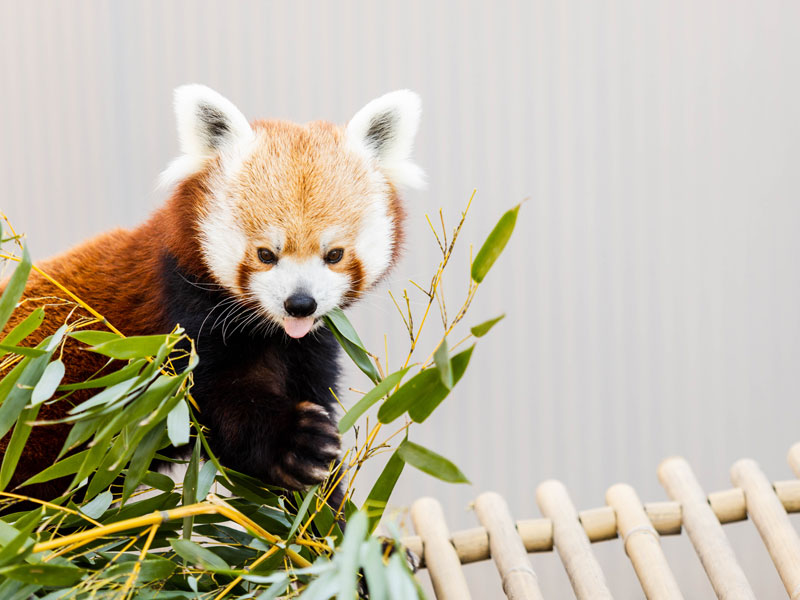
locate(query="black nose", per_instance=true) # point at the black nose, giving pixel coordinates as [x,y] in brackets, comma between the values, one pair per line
[300,305]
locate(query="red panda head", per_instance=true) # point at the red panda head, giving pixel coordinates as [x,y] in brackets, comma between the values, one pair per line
[296,219]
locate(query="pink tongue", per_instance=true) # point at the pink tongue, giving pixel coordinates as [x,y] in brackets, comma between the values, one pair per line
[297,328]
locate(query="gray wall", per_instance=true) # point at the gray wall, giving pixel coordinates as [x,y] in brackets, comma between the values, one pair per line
[651,289]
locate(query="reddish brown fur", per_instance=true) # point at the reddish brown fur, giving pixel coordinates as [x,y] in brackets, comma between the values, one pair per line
[116,274]
[297,176]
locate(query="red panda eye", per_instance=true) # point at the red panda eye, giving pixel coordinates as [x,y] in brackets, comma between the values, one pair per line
[267,256]
[334,256]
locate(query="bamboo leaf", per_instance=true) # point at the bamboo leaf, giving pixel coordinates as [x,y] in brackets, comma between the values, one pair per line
[348,555]
[178,424]
[378,497]
[442,359]
[62,468]
[484,328]
[151,569]
[18,395]
[429,462]
[344,327]
[190,487]
[127,372]
[301,512]
[140,462]
[46,574]
[16,444]
[379,391]
[354,350]
[197,555]
[14,288]
[422,385]
[494,244]
[21,350]
[46,387]
[30,324]
[205,479]
[98,506]
[424,407]
[134,347]
[93,337]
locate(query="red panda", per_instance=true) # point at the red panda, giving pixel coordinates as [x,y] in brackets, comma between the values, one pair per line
[269,226]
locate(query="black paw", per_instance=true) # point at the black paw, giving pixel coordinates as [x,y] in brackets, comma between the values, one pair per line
[312,447]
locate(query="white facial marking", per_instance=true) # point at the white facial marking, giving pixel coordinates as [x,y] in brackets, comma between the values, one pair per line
[291,275]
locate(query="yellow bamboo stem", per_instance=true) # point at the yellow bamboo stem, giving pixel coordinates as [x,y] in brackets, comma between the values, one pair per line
[214,505]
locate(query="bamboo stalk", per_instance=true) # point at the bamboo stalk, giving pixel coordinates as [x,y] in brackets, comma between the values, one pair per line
[507,549]
[771,521]
[213,506]
[571,541]
[641,544]
[705,531]
[444,567]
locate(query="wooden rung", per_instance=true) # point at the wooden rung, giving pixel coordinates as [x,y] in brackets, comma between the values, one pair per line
[641,543]
[572,543]
[440,556]
[794,458]
[772,522]
[509,554]
[705,531]
[600,524]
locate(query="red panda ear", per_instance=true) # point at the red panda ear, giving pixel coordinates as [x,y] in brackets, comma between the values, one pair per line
[385,129]
[208,124]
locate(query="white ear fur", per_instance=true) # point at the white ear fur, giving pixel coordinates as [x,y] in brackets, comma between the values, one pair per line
[384,129]
[208,124]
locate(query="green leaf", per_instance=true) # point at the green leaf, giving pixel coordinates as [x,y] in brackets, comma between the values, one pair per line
[93,337]
[344,327]
[45,574]
[158,481]
[151,569]
[30,324]
[46,387]
[62,468]
[348,556]
[21,544]
[442,360]
[14,288]
[429,462]
[16,444]
[133,347]
[379,391]
[301,512]
[205,479]
[21,350]
[18,395]
[197,555]
[378,497]
[190,487]
[422,385]
[178,424]
[127,372]
[371,559]
[98,506]
[424,407]
[140,461]
[482,329]
[106,397]
[494,244]
[354,351]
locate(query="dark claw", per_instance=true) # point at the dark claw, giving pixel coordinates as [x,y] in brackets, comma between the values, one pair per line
[314,446]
